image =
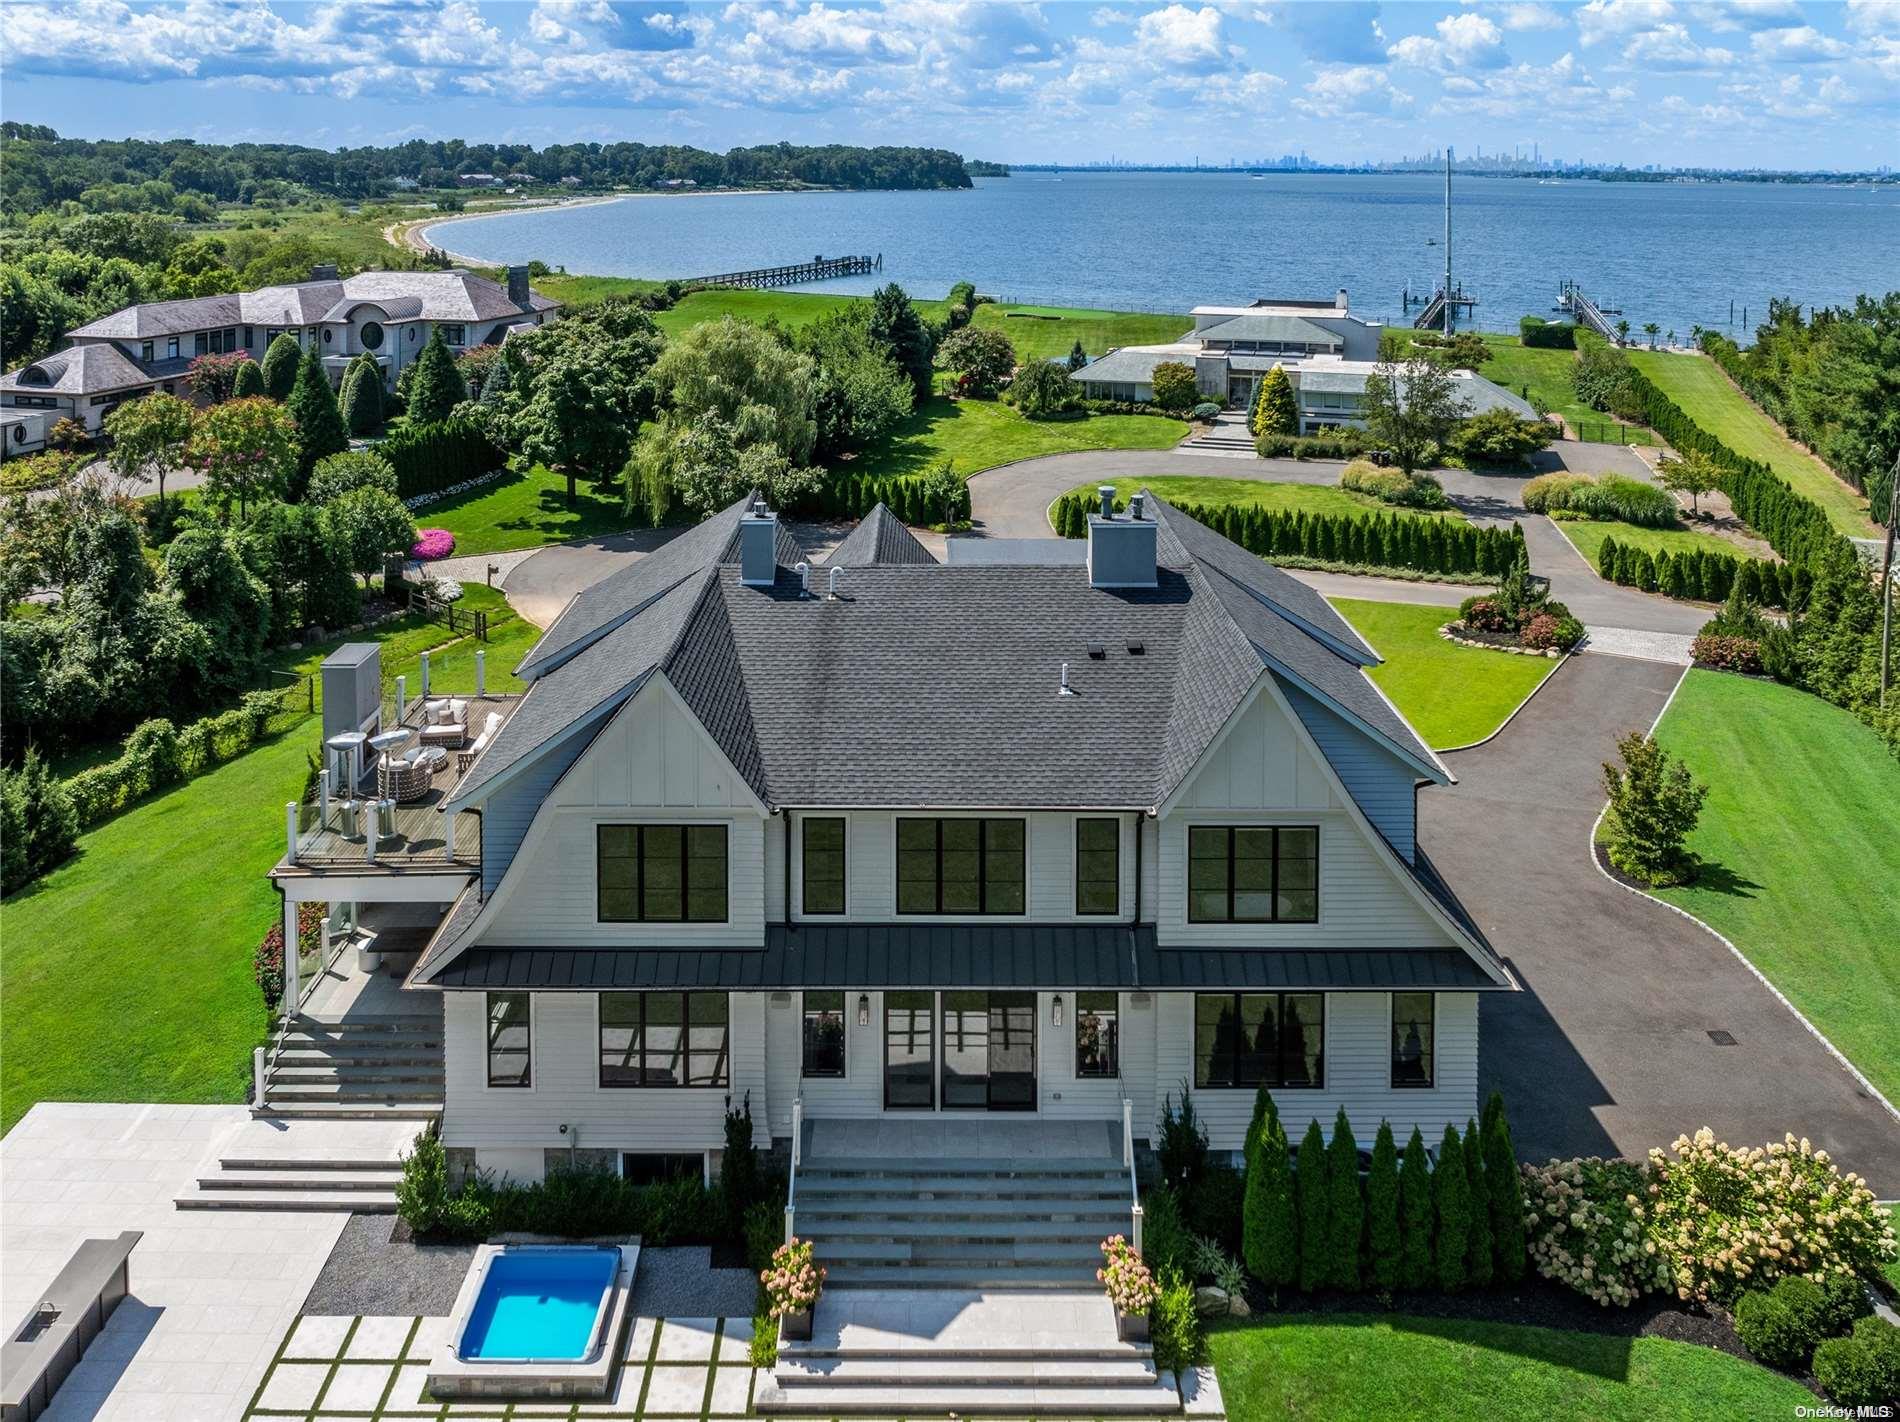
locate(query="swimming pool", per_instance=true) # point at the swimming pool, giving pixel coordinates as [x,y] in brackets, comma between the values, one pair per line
[540,1303]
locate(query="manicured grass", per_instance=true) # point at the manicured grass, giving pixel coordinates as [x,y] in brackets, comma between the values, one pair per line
[1396,1368]
[1277,497]
[1706,395]
[1452,695]
[1546,373]
[525,510]
[790,309]
[578,291]
[1796,873]
[128,968]
[1587,538]
[976,434]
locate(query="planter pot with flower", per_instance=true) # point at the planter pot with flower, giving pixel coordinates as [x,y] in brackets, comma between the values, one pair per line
[1131,1288]
[792,1284]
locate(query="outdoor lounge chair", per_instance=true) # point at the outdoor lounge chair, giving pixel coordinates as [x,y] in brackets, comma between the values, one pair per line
[404,779]
[445,723]
[467,758]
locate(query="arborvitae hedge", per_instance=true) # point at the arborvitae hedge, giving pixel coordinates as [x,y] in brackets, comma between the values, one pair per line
[1505,1188]
[1345,1205]
[1314,1191]
[1479,1263]
[1429,545]
[1416,1214]
[1383,1240]
[1451,1199]
[429,458]
[1704,575]
[1270,1227]
[855,495]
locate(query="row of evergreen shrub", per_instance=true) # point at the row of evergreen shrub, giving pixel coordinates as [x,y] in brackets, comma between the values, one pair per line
[855,495]
[1342,443]
[1536,332]
[158,754]
[1704,575]
[1429,545]
[429,458]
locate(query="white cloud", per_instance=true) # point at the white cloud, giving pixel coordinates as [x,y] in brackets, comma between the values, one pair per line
[1357,89]
[1671,47]
[1874,17]
[1729,16]
[1802,45]
[1467,41]
[1530,15]
[1602,20]
[830,36]
[1184,39]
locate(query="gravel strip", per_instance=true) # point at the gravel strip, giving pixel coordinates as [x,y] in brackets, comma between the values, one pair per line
[1672,647]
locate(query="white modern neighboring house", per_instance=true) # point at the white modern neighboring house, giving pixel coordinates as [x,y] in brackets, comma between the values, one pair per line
[1048,829]
[150,346]
[1326,352]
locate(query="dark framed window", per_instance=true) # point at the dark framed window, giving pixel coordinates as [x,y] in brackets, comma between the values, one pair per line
[250,334]
[1245,1039]
[454,335]
[1414,1035]
[961,866]
[823,1053]
[660,873]
[171,348]
[1098,875]
[652,1167]
[510,1040]
[145,351]
[665,1039]
[824,866]
[201,343]
[1253,874]
[371,336]
[1097,1034]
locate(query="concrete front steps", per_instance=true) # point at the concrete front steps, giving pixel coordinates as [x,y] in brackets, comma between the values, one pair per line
[360,1068]
[305,1165]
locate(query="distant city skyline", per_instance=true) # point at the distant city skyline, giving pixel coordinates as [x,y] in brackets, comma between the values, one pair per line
[1764,84]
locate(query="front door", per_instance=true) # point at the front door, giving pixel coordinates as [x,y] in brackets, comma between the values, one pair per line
[989,1051]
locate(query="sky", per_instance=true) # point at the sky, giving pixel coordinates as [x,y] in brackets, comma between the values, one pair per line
[1724,83]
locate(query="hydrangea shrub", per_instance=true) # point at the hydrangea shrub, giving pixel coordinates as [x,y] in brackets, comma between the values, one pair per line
[1131,1287]
[1587,1222]
[794,1280]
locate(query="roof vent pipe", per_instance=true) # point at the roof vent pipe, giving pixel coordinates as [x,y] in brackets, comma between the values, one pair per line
[836,582]
[1136,506]
[1065,689]
[804,578]
[1106,492]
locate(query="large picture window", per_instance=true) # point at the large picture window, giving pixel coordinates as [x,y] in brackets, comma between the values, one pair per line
[824,866]
[1097,1034]
[661,873]
[510,1040]
[1098,879]
[823,1035]
[1413,1034]
[960,866]
[664,1039]
[1247,1039]
[1253,874]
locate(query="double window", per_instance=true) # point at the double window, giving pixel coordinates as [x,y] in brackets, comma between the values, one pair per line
[1098,878]
[1097,1034]
[664,1039]
[823,1050]
[960,866]
[824,866]
[1413,1035]
[1253,874]
[454,335]
[510,1040]
[661,873]
[1247,1039]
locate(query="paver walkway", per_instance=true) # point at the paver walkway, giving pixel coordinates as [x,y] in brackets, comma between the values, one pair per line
[1607,1049]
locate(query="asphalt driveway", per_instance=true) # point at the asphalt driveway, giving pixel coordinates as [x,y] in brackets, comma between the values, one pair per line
[1607,1049]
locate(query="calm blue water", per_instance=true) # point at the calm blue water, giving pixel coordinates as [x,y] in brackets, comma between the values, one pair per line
[539,1305]
[1675,254]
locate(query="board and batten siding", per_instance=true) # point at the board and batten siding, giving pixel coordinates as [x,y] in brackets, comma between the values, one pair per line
[1357,1072]
[1384,787]
[565,1089]
[508,813]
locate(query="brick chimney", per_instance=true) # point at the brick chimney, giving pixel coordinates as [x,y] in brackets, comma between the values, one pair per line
[518,287]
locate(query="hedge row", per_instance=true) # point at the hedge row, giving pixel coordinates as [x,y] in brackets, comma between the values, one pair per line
[855,495]
[1793,524]
[429,458]
[1429,545]
[1707,576]
[1539,334]
[158,754]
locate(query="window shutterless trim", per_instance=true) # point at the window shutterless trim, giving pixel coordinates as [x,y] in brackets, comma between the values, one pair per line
[804,865]
[683,1053]
[1114,852]
[488,1041]
[1272,891]
[982,824]
[1274,1076]
[1430,1056]
[805,1014]
[1113,1012]
[639,858]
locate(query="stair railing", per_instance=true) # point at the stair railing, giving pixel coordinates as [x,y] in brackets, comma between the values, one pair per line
[1128,1161]
[798,1154]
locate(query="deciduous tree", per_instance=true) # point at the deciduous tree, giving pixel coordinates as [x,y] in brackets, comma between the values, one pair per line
[369,523]
[247,450]
[1410,409]
[1173,385]
[982,359]
[149,437]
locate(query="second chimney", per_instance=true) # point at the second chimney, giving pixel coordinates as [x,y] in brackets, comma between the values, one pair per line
[518,287]
[324,272]
[1121,546]
[1339,300]
[758,547]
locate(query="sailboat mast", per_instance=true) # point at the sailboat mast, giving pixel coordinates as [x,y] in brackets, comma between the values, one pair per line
[1449,305]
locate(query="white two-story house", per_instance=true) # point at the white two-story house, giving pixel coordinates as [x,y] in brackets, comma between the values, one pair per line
[1033,833]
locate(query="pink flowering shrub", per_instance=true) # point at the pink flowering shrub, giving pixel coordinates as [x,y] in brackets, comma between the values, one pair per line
[1588,1222]
[1731,1219]
[432,543]
[793,1281]
[1131,1288]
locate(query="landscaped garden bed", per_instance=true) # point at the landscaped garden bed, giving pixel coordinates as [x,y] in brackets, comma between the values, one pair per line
[1519,617]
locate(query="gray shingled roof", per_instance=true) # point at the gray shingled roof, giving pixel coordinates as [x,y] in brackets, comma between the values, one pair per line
[1271,328]
[880,537]
[78,370]
[1131,365]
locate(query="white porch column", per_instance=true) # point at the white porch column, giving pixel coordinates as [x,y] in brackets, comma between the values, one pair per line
[290,831]
[402,696]
[481,669]
[425,675]
[291,985]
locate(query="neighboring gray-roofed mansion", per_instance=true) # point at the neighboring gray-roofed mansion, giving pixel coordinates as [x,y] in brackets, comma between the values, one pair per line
[150,346]
[1326,352]
[1042,830]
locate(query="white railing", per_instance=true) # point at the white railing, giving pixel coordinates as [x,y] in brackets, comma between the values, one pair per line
[1128,1161]
[798,1154]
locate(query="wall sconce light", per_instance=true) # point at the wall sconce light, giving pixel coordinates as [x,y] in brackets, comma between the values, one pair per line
[1055,1010]
[864,1009]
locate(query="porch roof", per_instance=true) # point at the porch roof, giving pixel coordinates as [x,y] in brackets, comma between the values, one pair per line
[945,955]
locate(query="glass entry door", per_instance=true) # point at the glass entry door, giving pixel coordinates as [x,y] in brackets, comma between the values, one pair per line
[910,1066]
[989,1051]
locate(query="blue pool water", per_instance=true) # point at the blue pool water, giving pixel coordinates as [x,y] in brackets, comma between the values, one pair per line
[539,1304]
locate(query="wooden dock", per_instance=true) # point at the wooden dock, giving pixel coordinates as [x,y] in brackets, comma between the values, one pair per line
[1585,312]
[1432,318]
[819,268]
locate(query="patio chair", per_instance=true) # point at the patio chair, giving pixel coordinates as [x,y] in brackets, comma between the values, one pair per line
[445,722]
[403,780]
[467,758]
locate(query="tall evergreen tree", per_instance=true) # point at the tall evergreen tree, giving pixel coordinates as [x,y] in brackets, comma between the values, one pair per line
[1314,1191]
[1077,356]
[1383,1240]
[279,366]
[1479,1262]
[362,401]
[436,387]
[896,326]
[1345,1205]
[1416,1213]
[1451,1197]
[1270,1227]
[1274,411]
[320,431]
[1504,1185]
[248,382]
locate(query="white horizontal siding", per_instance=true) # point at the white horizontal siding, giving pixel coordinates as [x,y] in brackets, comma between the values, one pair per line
[1358,1072]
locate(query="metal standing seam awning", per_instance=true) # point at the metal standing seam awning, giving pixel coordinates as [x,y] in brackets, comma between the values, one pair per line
[905,955]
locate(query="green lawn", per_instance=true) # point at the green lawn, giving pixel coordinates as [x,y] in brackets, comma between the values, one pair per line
[1587,537]
[1452,695]
[156,916]
[1707,397]
[1396,1368]
[977,434]
[1797,869]
[1045,331]
[1546,373]
[1278,497]
[525,510]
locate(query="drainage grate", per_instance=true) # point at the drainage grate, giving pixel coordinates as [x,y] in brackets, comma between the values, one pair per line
[1722,1038]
